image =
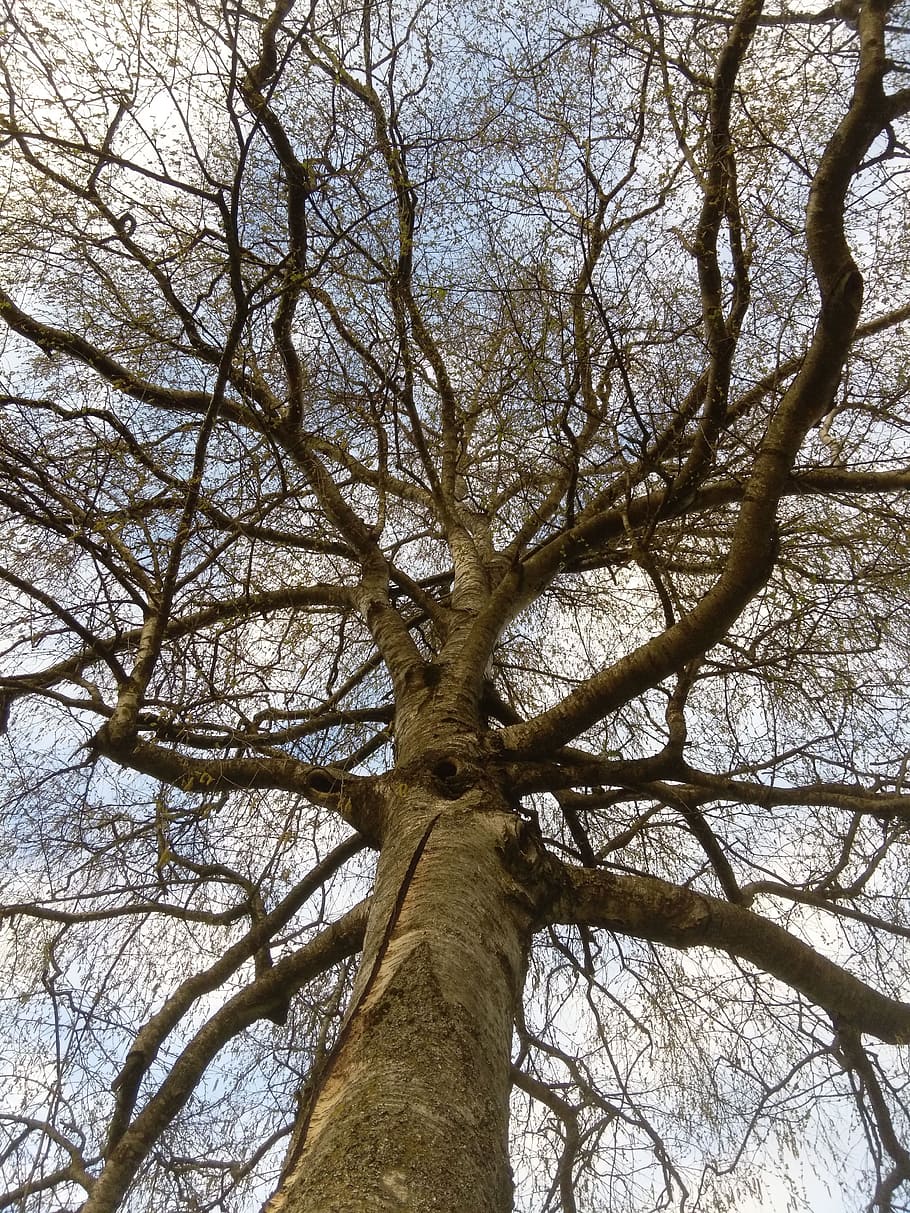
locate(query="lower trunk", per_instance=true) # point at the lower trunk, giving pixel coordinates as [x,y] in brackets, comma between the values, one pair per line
[412,1108]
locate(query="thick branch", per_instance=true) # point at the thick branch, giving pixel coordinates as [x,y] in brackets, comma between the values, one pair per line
[149,1039]
[852,798]
[275,986]
[346,793]
[752,550]
[665,913]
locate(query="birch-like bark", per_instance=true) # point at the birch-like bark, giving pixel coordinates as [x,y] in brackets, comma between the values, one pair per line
[411,1109]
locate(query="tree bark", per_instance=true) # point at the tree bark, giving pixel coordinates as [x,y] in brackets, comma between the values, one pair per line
[411,1109]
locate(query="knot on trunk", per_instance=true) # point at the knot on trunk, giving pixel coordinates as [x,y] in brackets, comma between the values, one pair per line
[447,773]
[537,876]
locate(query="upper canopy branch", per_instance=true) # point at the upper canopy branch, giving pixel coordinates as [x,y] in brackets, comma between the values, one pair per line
[752,551]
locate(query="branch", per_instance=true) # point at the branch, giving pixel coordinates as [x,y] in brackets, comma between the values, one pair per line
[277,985]
[51,340]
[149,1038]
[76,1171]
[332,786]
[653,909]
[752,552]
[852,798]
[240,607]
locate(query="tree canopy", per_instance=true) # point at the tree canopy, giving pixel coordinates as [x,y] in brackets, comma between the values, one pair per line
[454,473]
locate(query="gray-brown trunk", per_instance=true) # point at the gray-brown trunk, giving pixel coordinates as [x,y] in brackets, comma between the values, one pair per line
[412,1108]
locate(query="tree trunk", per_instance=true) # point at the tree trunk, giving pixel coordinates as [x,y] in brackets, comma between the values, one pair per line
[411,1109]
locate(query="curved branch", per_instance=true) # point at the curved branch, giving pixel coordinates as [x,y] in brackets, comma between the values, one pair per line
[274,987]
[753,547]
[150,1037]
[335,597]
[653,909]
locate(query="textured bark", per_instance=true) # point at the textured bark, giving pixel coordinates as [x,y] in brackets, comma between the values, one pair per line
[411,1109]
[647,908]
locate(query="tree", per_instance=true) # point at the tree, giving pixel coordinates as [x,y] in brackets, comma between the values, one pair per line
[454,471]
